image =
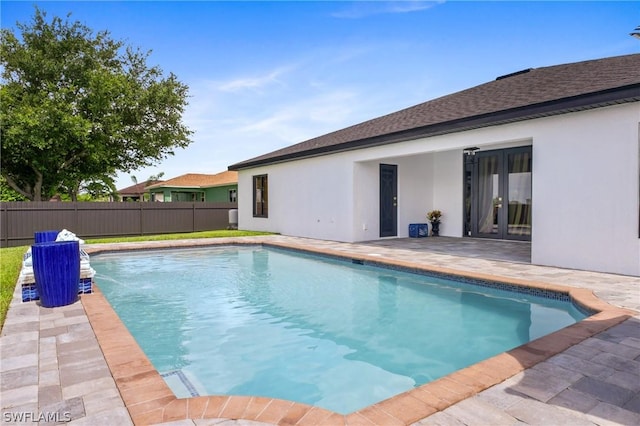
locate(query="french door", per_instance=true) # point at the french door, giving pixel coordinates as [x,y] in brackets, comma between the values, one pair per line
[498,194]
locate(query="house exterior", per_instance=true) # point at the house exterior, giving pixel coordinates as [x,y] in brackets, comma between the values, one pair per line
[135,192]
[549,155]
[221,187]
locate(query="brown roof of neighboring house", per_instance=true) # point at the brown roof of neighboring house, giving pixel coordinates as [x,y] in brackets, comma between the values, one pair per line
[136,189]
[196,180]
[523,95]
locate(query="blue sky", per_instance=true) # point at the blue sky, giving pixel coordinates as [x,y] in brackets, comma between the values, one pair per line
[264,75]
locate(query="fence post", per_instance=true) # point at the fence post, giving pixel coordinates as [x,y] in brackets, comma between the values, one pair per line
[5,225]
[76,215]
[140,212]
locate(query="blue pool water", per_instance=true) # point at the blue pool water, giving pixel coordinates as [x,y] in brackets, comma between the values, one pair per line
[265,322]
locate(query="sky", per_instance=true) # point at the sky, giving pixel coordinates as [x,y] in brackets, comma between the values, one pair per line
[263,75]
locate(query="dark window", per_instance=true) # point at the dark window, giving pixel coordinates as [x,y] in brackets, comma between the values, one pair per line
[260,196]
[233,195]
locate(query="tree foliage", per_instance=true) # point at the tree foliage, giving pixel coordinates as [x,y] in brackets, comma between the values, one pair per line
[77,107]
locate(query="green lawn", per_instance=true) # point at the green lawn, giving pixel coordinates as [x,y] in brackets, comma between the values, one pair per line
[10,262]
[11,258]
[203,234]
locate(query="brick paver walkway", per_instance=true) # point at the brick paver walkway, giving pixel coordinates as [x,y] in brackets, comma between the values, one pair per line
[53,371]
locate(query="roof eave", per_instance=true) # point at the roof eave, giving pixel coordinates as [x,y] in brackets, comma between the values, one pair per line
[195,187]
[620,95]
[218,185]
[175,187]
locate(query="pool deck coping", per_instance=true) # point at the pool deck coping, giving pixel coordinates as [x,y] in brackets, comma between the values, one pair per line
[149,399]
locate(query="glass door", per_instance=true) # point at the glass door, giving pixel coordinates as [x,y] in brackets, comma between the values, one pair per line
[519,194]
[498,194]
[489,195]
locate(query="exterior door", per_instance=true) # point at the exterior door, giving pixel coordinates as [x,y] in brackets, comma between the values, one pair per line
[388,200]
[500,196]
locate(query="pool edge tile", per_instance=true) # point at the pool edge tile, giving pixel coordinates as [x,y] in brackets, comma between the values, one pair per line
[141,409]
[295,413]
[215,405]
[275,411]
[431,399]
[175,410]
[255,406]
[234,407]
[356,419]
[315,416]
[144,378]
[378,416]
[148,417]
[406,408]
[197,407]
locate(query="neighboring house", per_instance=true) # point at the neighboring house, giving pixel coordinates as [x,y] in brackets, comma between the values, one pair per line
[221,187]
[549,155]
[135,192]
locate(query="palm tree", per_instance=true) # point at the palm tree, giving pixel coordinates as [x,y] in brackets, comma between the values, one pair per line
[150,181]
[154,178]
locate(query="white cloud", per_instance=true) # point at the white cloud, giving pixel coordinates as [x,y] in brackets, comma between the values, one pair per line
[305,118]
[259,82]
[361,9]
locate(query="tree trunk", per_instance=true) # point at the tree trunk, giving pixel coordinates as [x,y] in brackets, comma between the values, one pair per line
[26,193]
[37,188]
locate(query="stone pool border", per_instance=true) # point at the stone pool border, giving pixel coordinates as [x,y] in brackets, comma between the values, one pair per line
[149,399]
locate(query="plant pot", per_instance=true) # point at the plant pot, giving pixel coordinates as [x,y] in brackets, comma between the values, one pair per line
[45,236]
[56,268]
[435,229]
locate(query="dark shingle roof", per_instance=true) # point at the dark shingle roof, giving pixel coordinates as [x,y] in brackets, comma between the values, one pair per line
[519,96]
[135,190]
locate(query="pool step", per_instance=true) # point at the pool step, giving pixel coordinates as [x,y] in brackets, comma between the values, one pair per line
[179,383]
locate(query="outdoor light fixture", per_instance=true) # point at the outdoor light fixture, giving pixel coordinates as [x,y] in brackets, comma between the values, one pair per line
[471,151]
[636,33]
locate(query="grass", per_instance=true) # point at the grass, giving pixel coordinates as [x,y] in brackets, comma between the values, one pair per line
[10,262]
[11,258]
[203,234]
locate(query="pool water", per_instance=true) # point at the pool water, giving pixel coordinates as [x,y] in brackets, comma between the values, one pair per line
[326,332]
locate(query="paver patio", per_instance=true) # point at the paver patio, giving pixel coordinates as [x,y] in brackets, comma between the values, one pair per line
[52,362]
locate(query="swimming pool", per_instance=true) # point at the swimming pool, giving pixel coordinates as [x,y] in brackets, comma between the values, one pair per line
[256,321]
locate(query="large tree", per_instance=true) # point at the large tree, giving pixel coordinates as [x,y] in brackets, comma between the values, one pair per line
[78,106]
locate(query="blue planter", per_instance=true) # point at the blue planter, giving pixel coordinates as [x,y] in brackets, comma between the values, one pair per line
[418,230]
[56,268]
[45,236]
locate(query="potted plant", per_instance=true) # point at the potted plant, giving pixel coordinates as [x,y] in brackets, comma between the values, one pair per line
[434,217]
